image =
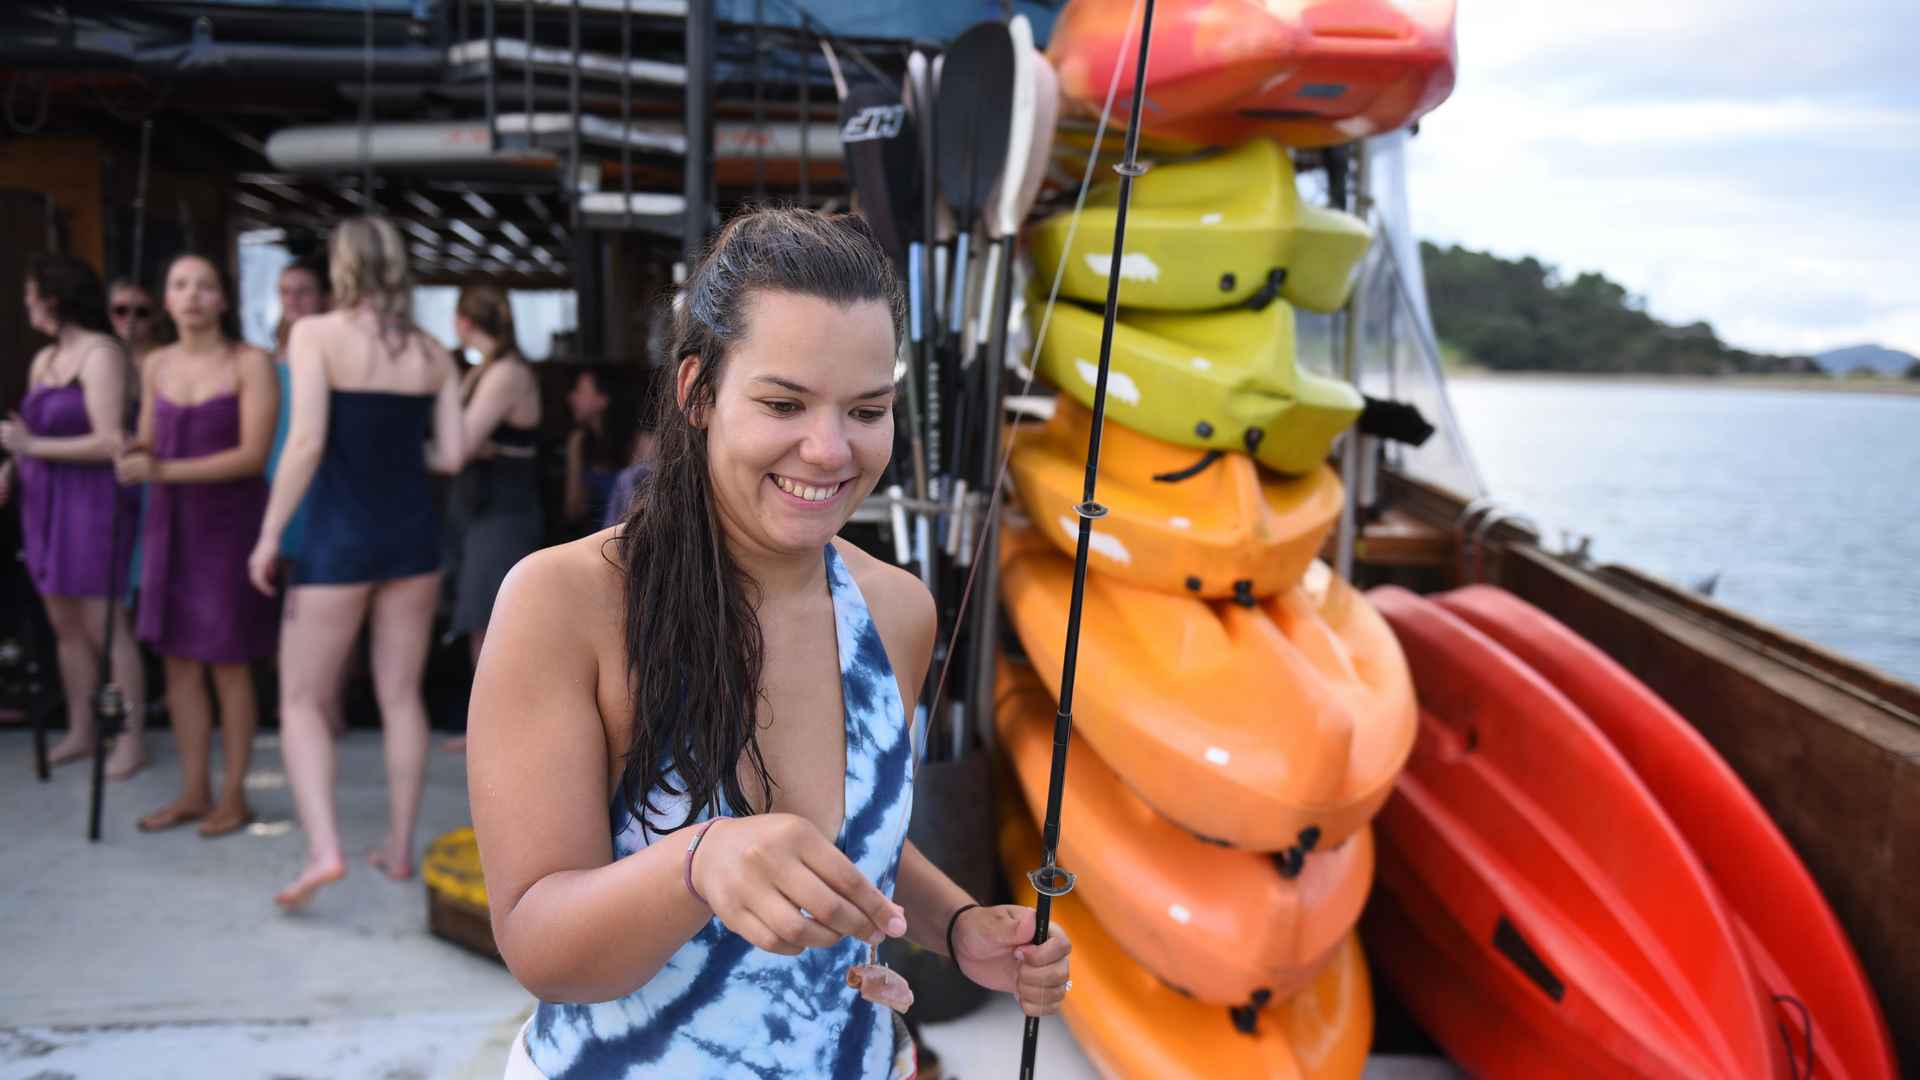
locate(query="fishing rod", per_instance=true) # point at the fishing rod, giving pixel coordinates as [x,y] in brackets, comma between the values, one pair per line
[1049,879]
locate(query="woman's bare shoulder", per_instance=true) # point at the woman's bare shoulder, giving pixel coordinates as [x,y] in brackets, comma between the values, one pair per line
[575,588]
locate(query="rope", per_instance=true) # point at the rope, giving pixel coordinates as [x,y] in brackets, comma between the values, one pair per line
[1806,1025]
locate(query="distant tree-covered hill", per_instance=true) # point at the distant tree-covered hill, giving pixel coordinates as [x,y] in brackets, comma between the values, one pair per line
[1875,358]
[1521,315]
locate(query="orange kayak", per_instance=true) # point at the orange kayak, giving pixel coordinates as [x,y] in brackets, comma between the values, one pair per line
[1546,890]
[1134,1028]
[1227,529]
[1795,944]
[1226,927]
[1306,73]
[1277,726]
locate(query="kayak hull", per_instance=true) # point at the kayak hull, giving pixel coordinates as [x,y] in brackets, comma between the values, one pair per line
[1794,942]
[1207,234]
[1223,530]
[1134,1028]
[1522,848]
[1217,381]
[1305,74]
[1275,727]
[1223,927]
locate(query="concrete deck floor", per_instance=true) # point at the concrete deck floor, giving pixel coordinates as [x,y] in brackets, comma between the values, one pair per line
[163,956]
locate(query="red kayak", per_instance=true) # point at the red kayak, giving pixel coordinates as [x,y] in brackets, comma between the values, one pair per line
[1302,72]
[1793,941]
[1553,919]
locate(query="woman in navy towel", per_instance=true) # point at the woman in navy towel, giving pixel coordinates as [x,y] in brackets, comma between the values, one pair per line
[690,757]
[367,386]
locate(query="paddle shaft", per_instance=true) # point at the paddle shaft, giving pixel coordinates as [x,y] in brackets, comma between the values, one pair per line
[1063,718]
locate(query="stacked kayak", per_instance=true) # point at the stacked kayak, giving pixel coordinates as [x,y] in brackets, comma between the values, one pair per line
[1134,1027]
[1220,530]
[1306,73]
[1274,725]
[1214,381]
[1208,234]
[1241,712]
[1573,883]
[1791,939]
[1218,925]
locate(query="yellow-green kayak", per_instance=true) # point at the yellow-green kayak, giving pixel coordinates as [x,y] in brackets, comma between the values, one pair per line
[1208,234]
[1220,381]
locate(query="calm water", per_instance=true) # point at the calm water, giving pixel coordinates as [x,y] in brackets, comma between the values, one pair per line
[1805,504]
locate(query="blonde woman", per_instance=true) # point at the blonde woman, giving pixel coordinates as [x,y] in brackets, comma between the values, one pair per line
[367,385]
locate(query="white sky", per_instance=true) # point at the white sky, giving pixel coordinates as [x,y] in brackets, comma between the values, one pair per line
[1752,163]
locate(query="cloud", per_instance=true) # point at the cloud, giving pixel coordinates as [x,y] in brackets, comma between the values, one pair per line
[1747,164]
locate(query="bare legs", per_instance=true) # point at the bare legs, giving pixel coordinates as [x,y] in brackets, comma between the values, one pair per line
[402,631]
[79,628]
[239,718]
[315,639]
[192,714]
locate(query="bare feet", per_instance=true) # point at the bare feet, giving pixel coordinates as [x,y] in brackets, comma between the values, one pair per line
[396,864]
[226,819]
[71,748]
[455,745]
[128,756]
[316,874]
[176,813]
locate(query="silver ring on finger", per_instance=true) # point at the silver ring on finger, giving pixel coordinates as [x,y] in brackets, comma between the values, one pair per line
[1066,986]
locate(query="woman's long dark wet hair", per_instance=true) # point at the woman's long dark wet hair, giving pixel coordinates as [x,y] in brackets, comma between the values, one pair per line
[694,646]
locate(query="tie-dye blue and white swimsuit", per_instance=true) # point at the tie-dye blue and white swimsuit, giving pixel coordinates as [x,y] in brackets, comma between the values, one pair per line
[723,1008]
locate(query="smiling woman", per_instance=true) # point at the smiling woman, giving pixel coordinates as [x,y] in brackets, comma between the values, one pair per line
[722,666]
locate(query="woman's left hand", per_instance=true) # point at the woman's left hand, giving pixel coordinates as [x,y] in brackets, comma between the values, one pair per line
[134,467]
[994,947]
[14,435]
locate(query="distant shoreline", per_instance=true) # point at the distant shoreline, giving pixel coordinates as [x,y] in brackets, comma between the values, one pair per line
[1819,384]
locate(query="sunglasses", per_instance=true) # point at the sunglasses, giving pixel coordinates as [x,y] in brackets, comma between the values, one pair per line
[138,311]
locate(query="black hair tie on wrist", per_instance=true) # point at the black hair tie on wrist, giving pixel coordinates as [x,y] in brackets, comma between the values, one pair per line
[951,923]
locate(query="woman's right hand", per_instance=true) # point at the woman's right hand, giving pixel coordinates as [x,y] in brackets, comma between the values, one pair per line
[6,482]
[776,881]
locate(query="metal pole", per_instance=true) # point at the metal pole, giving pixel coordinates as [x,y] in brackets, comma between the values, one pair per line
[698,187]
[806,120]
[1348,532]
[1049,880]
[759,107]
[573,108]
[626,114]
[493,65]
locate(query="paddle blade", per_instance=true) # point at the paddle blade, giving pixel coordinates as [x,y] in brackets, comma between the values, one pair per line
[883,159]
[973,115]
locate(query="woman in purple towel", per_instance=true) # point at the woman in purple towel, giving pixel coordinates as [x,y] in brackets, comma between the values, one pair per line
[206,422]
[76,523]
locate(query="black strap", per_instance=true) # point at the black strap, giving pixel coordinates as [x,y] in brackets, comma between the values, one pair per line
[1190,471]
[952,922]
[1396,420]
